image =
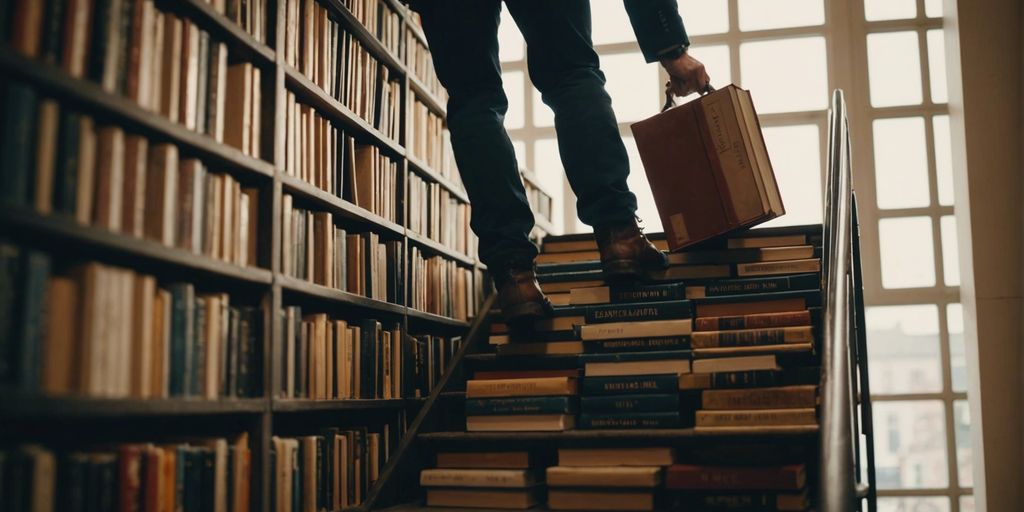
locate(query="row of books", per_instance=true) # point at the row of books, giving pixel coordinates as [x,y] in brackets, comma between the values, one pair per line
[162,62]
[429,140]
[443,286]
[420,64]
[103,331]
[381,20]
[250,15]
[313,248]
[336,61]
[436,214]
[638,478]
[540,201]
[329,471]
[103,176]
[330,359]
[204,474]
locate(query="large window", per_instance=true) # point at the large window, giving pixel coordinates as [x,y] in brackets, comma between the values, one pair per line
[888,57]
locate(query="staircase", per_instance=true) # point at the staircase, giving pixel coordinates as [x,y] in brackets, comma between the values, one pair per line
[831,449]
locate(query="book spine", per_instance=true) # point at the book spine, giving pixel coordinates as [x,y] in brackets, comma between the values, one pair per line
[759,321]
[751,337]
[646,384]
[17,132]
[520,387]
[619,330]
[763,398]
[473,478]
[779,267]
[638,312]
[689,477]
[652,293]
[744,379]
[630,420]
[761,285]
[668,343]
[520,405]
[756,418]
[630,403]
[182,317]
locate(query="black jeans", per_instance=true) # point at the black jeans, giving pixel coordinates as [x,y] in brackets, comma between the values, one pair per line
[463,38]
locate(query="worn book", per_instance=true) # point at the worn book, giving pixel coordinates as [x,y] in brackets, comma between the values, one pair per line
[445,477]
[756,418]
[754,285]
[755,321]
[785,397]
[649,344]
[767,478]
[743,337]
[610,475]
[544,386]
[637,312]
[597,499]
[521,423]
[751,255]
[741,305]
[735,364]
[633,456]
[641,363]
[619,330]
[630,420]
[520,405]
[708,167]
[623,294]
[748,501]
[779,348]
[631,384]
[774,268]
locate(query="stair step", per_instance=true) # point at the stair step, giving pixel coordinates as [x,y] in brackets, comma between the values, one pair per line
[616,434]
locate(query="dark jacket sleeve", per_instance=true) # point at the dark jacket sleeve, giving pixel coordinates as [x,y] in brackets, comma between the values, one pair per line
[657,25]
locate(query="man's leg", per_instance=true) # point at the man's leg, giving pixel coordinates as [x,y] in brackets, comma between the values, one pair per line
[463,37]
[564,67]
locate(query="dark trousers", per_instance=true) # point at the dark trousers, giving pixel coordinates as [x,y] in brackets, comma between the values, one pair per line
[463,38]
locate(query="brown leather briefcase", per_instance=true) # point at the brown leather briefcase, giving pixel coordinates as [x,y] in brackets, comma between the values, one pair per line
[708,166]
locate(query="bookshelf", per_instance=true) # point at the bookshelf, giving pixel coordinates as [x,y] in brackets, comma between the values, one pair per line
[264,166]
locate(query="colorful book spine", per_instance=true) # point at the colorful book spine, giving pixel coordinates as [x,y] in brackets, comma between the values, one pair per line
[749,337]
[630,403]
[629,421]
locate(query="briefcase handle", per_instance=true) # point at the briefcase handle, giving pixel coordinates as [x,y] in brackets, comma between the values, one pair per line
[670,99]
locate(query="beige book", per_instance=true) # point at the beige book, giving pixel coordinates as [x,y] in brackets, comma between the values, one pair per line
[86,185]
[211,373]
[622,368]
[493,478]
[242,246]
[778,267]
[60,344]
[766,241]
[46,155]
[157,66]
[287,266]
[782,397]
[189,87]
[143,299]
[161,345]
[238,107]
[541,386]
[341,371]
[590,295]
[484,460]
[109,178]
[76,35]
[257,114]
[89,277]
[170,88]
[521,423]
[133,212]
[652,328]
[568,286]
[162,194]
[578,499]
[604,476]
[735,364]
[642,456]
[756,418]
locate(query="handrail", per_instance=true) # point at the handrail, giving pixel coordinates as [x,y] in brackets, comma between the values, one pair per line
[838,483]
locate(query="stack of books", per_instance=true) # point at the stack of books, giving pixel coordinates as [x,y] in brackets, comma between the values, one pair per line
[607,478]
[525,400]
[505,480]
[761,487]
[202,474]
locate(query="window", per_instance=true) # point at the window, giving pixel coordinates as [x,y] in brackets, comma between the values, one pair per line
[903,177]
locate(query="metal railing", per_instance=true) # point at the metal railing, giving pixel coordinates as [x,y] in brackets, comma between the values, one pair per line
[844,380]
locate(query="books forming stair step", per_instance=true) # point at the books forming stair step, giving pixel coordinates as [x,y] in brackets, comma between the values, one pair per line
[484,480]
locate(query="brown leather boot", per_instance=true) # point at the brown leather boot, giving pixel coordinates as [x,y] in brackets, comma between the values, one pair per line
[519,296]
[626,253]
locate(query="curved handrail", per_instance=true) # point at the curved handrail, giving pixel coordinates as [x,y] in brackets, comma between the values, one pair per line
[837,485]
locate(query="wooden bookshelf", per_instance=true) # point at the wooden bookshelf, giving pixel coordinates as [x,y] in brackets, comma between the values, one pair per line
[262,283]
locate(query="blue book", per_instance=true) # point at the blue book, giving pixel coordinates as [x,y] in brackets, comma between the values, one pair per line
[182,332]
[630,403]
[629,420]
[630,384]
[520,405]
[36,272]
[638,312]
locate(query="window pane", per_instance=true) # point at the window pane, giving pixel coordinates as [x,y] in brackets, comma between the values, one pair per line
[901,163]
[542,114]
[950,256]
[929,504]
[550,173]
[875,10]
[962,429]
[903,349]
[796,159]
[705,16]
[957,358]
[937,65]
[716,63]
[907,254]
[910,445]
[967,503]
[894,69]
[943,159]
[805,86]
[933,8]
[514,89]
[511,46]
[633,86]
[761,15]
[610,23]
[519,146]
[638,184]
